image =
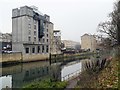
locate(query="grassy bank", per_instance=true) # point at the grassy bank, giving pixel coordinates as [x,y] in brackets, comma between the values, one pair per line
[46,83]
[105,78]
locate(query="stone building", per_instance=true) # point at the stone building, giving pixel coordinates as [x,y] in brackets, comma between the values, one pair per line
[31,31]
[56,42]
[88,42]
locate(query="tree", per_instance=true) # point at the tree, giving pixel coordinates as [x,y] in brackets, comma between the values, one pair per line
[112,26]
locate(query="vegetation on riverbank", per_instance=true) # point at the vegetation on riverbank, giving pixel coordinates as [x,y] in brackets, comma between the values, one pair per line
[46,83]
[105,78]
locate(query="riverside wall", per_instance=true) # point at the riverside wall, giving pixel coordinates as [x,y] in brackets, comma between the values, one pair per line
[18,57]
[10,57]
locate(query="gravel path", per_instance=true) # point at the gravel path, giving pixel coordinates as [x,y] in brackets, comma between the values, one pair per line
[72,83]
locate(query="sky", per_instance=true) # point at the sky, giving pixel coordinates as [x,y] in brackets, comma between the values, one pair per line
[73,17]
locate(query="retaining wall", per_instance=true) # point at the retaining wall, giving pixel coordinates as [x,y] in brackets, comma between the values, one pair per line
[12,57]
[18,57]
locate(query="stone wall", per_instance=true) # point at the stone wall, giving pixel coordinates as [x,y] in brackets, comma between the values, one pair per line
[18,57]
[12,57]
[35,57]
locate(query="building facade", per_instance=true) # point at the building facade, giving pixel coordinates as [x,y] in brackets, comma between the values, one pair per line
[88,42]
[31,31]
[5,41]
[56,42]
[70,44]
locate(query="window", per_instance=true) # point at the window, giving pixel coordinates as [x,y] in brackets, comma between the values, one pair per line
[34,32]
[47,35]
[29,25]
[47,30]
[27,73]
[42,49]
[47,40]
[47,48]
[43,40]
[29,38]
[39,39]
[34,38]
[27,50]
[34,26]
[38,49]
[29,32]
[33,50]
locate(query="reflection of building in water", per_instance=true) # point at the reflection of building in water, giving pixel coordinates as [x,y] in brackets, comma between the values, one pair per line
[27,76]
[55,71]
[11,70]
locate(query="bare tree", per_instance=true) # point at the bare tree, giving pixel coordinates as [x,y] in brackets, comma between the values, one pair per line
[112,26]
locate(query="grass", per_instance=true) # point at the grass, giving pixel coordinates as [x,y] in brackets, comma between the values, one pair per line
[46,83]
[106,78]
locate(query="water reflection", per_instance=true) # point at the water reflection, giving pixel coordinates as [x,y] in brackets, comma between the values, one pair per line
[5,82]
[70,70]
[26,73]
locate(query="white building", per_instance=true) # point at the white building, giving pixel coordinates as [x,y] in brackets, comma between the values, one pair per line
[31,30]
[70,44]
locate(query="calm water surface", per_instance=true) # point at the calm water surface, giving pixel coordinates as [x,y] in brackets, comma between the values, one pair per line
[20,75]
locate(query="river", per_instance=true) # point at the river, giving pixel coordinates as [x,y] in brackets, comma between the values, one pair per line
[22,74]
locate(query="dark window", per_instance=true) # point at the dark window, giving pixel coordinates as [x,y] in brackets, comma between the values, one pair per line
[47,48]
[34,38]
[33,50]
[34,32]
[38,49]
[47,40]
[34,26]
[29,38]
[47,35]
[27,73]
[27,50]
[47,30]
[42,48]
[39,40]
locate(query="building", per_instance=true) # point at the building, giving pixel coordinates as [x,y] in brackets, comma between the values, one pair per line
[5,41]
[56,42]
[88,42]
[31,30]
[70,44]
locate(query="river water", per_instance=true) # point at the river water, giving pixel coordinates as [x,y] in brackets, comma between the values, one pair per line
[20,75]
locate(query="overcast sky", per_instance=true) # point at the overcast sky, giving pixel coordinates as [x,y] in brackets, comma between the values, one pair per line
[73,17]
